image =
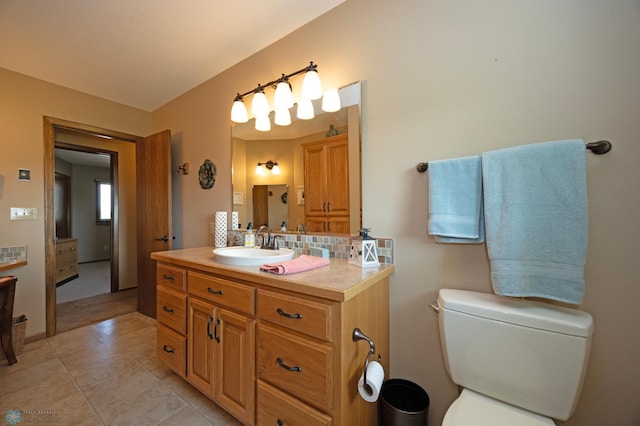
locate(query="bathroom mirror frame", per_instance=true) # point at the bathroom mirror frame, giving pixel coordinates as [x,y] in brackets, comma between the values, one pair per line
[283,144]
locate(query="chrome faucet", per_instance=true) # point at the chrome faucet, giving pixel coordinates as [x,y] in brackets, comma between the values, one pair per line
[266,241]
[301,228]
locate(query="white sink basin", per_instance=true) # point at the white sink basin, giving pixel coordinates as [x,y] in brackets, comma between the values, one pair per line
[251,256]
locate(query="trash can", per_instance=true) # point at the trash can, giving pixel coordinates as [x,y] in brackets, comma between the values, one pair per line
[19,325]
[403,403]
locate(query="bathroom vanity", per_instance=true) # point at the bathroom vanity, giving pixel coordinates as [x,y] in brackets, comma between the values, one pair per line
[273,349]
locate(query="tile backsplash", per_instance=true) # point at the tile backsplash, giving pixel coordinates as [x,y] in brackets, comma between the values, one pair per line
[338,245]
[15,253]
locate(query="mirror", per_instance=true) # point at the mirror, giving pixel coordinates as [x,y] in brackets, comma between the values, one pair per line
[270,205]
[284,145]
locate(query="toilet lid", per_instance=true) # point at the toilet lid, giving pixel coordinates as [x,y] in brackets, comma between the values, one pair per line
[472,408]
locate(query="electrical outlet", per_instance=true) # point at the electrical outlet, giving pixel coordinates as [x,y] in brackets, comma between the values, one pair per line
[24,213]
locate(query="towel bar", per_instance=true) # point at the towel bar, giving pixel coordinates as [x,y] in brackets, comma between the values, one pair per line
[599,147]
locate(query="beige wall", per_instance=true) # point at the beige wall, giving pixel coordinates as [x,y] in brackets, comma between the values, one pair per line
[23,103]
[444,79]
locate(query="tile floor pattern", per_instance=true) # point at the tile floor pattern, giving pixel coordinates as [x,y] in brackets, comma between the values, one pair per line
[102,374]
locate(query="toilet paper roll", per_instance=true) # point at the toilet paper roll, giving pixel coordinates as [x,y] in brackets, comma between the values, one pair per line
[221,229]
[375,376]
[234,221]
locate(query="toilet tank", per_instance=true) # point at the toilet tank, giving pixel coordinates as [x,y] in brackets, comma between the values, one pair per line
[526,353]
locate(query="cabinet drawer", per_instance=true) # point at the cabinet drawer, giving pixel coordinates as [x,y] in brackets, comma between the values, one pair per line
[296,366]
[66,271]
[66,258]
[171,276]
[222,292]
[298,314]
[172,349]
[276,407]
[172,309]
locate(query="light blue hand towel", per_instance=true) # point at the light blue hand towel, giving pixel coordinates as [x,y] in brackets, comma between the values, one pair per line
[455,200]
[535,208]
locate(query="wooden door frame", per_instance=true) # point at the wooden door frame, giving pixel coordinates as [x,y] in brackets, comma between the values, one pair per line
[50,125]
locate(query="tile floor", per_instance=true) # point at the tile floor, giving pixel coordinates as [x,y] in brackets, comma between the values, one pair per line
[101,374]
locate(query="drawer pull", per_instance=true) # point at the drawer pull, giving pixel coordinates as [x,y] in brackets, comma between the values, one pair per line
[168,277]
[215,330]
[167,349]
[212,291]
[209,328]
[285,366]
[285,314]
[169,310]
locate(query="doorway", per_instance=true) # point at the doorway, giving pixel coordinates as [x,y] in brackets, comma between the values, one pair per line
[81,172]
[95,138]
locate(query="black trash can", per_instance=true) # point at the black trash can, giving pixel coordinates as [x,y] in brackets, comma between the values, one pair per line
[403,403]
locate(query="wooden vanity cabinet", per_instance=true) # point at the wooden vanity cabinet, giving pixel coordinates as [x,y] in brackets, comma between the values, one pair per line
[269,351]
[326,180]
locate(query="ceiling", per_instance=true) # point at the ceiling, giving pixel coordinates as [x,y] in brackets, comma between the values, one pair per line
[142,53]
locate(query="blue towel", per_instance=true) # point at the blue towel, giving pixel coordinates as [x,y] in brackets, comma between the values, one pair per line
[455,200]
[535,208]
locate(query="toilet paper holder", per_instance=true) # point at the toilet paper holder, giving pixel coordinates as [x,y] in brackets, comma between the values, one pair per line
[359,335]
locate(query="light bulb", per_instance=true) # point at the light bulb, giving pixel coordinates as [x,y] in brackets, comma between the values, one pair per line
[305,109]
[276,169]
[282,117]
[331,101]
[311,86]
[259,104]
[260,170]
[239,111]
[263,123]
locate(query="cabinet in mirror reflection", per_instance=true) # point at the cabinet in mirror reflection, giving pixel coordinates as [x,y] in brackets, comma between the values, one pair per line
[286,146]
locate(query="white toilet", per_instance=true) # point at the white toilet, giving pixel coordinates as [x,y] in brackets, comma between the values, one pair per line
[519,362]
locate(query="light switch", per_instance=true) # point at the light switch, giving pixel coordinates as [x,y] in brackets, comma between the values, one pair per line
[24,213]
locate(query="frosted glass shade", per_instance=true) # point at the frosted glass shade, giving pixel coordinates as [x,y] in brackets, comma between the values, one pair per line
[282,117]
[331,101]
[305,109]
[263,123]
[311,86]
[283,98]
[239,112]
[260,170]
[276,169]
[259,104]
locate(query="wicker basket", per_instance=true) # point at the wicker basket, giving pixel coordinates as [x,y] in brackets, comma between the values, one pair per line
[19,327]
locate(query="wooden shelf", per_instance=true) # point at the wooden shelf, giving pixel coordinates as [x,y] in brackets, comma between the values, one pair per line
[7,266]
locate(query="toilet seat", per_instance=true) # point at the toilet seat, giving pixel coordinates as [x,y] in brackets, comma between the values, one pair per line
[472,408]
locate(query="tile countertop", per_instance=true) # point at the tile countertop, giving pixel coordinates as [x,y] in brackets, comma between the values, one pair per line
[339,281]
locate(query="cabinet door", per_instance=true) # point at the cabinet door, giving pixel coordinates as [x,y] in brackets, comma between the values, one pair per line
[235,364]
[315,180]
[337,158]
[202,320]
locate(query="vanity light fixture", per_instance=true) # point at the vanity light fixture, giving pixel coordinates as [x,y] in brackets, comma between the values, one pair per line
[270,165]
[283,100]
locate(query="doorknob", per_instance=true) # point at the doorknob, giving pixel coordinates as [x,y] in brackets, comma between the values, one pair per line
[163,238]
